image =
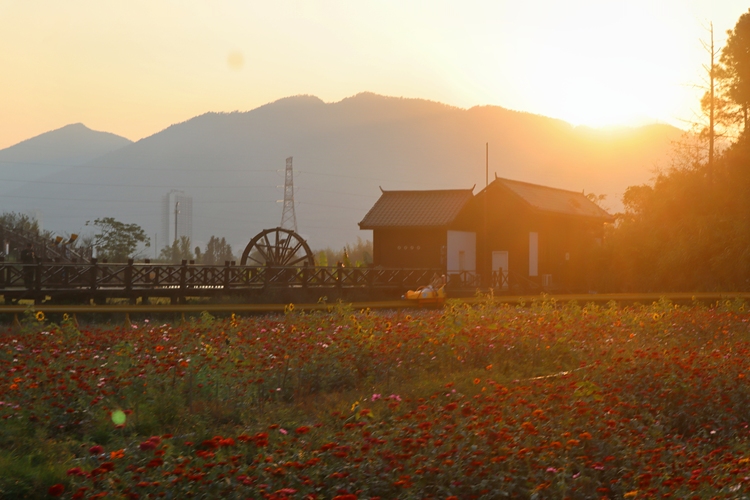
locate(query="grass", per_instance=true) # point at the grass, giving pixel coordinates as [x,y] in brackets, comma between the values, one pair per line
[544,400]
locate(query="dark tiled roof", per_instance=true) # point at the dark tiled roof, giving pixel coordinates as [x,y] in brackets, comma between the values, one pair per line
[416,208]
[550,199]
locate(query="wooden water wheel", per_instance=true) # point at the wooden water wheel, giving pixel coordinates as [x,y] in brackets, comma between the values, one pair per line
[277,248]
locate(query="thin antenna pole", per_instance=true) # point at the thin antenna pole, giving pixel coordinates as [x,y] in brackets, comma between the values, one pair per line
[176,211]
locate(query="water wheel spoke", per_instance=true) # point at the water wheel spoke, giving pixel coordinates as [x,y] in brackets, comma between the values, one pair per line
[269,250]
[290,253]
[266,252]
[297,261]
[285,248]
[259,262]
[276,259]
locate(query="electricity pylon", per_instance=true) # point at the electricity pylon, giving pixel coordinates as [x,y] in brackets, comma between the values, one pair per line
[288,219]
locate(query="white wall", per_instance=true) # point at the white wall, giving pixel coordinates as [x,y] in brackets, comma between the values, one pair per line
[461,241]
[533,254]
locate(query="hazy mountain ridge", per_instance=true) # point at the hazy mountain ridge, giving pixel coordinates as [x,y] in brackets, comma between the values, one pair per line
[232,164]
[54,151]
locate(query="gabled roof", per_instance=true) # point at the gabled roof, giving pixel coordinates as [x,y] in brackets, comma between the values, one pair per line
[550,199]
[437,208]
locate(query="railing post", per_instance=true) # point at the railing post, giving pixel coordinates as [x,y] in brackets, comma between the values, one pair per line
[93,274]
[340,275]
[305,273]
[129,279]
[65,278]
[38,276]
[183,279]
[227,270]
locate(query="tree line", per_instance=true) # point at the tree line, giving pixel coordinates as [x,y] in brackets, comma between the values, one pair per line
[689,230]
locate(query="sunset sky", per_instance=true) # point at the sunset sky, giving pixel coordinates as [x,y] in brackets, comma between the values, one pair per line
[135,67]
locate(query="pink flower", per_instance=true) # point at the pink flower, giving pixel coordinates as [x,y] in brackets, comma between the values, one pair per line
[283,431]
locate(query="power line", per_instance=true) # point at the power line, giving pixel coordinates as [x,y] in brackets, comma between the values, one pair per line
[68,183]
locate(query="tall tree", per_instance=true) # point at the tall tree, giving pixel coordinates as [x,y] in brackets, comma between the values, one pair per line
[733,76]
[179,251]
[217,251]
[117,241]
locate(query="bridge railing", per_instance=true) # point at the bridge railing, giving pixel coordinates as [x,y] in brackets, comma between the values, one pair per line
[192,278]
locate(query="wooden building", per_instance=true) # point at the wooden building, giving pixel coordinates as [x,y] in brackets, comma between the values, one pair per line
[541,237]
[424,229]
[512,235]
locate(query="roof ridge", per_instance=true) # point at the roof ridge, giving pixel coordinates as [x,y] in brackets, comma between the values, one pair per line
[538,185]
[469,190]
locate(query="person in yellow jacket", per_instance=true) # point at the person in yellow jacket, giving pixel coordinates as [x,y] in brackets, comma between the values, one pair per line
[436,289]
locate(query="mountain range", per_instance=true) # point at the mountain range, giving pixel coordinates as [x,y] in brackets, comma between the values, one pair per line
[232,165]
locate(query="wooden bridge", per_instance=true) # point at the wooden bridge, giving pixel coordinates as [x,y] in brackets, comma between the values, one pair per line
[97,282]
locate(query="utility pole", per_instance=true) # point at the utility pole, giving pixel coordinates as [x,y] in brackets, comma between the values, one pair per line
[176,211]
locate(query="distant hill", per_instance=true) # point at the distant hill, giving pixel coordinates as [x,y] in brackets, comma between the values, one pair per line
[232,164]
[53,152]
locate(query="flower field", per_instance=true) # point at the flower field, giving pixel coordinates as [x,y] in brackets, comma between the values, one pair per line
[486,401]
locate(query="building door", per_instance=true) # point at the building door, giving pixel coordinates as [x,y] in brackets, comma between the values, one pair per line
[461,256]
[500,269]
[533,254]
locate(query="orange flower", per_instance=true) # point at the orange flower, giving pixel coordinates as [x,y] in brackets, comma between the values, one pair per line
[117,454]
[477,381]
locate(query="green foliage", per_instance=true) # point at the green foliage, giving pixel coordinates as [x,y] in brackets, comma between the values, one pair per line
[684,234]
[218,251]
[357,255]
[117,241]
[179,251]
[733,77]
[20,223]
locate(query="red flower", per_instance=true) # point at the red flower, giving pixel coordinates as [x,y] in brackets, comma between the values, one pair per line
[302,430]
[147,445]
[56,490]
[96,449]
[226,442]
